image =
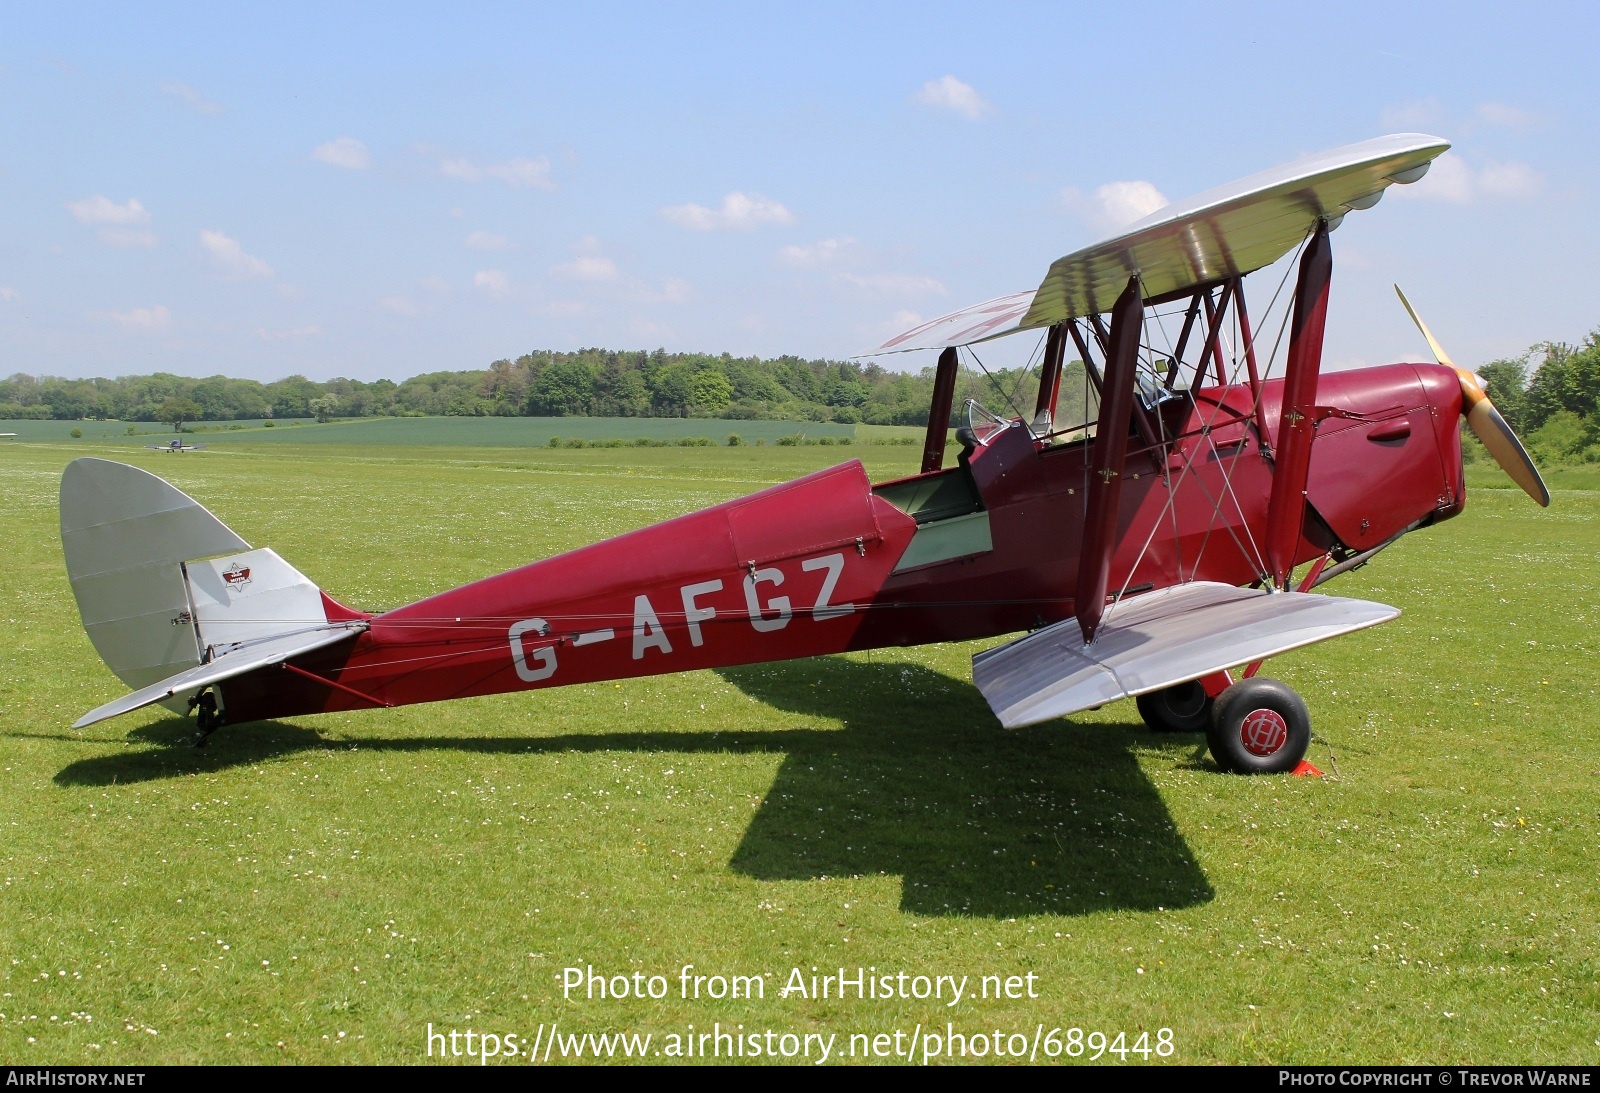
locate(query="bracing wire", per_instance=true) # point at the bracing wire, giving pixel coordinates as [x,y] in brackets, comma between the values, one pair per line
[1217,502]
[995,382]
[1227,477]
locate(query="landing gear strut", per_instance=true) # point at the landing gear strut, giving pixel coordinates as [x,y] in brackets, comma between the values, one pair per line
[207,718]
[1259,726]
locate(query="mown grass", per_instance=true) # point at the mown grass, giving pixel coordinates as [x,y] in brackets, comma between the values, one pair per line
[321,889]
[1558,476]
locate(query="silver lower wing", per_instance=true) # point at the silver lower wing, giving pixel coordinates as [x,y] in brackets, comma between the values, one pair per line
[1157,640]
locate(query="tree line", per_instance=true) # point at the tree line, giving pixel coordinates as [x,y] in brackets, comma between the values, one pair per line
[587,383]
[1549,394]
[1551,402]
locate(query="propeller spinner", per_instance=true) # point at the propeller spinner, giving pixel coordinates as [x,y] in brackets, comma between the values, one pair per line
[1484,420]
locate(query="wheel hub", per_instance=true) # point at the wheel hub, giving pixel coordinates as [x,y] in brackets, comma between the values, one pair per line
[1188,701]
[1263,732]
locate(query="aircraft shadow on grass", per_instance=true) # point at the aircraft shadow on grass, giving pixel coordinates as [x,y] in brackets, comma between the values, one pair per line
[919,782]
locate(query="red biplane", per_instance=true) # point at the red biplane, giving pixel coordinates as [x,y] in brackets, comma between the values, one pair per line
[1148,540]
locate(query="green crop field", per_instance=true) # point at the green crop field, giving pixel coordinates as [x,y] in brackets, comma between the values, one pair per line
[326,889]
[491,432]
[117,432]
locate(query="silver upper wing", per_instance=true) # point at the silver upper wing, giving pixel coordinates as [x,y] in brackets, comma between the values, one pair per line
[1230,230]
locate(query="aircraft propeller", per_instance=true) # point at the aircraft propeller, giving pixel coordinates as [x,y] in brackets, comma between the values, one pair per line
[1484,420]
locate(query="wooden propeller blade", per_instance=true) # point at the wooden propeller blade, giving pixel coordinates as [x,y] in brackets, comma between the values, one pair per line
[1485,421]
[1433,343]
[1489,427]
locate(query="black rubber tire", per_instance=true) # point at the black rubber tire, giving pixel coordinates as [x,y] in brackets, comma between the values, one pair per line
[1184,707]
[1259,726]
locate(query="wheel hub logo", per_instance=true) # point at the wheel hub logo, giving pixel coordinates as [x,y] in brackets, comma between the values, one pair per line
[1263,732]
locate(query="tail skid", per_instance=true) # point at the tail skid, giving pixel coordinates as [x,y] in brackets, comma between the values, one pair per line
[173,600]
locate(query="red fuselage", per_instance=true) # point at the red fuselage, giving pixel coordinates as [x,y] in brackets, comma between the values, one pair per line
[830,563]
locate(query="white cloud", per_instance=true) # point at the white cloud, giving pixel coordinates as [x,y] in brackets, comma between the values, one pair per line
[494,282]
[481,240]
[128,237]
[589,264]
[192,97]
[1509,180]
[949,93]
[1449,179]
[902,284]
[519,173]
[1452,179]
[1116,204]
[674,290]
[897,324]
[534,173]
[399,305]
[102,210]
[231,259]
[143,319]
[1506,116]
[347,152]
[739,212]
[8,295]
[117,223]
[588,267]
[824,252]
[1130,201]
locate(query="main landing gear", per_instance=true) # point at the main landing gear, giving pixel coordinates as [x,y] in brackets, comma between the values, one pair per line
[1183,708]
[1255,726]
[207,717]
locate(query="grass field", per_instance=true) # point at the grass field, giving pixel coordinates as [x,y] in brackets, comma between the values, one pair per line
[322,889]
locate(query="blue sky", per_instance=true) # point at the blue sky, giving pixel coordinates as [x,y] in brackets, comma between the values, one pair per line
[384,190]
